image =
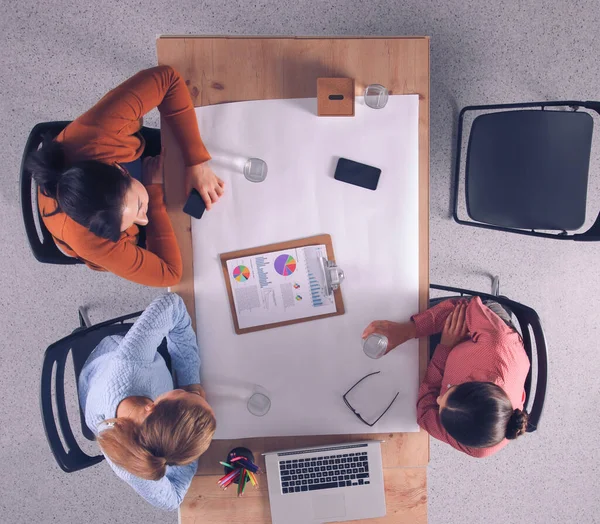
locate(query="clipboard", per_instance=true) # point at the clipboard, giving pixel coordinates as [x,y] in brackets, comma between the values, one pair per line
[280,246]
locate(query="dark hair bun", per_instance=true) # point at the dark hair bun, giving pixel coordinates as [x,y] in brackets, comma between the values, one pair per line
[517,424]
[47,165]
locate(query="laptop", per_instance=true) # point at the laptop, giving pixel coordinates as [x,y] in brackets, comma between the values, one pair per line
[333,483]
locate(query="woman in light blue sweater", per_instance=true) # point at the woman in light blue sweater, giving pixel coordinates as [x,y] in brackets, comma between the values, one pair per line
[150,433]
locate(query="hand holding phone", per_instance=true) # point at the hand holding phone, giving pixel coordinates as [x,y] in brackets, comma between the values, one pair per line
[195,205]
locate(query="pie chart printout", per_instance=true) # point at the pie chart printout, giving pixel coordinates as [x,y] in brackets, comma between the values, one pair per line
[285,265]
[241,273]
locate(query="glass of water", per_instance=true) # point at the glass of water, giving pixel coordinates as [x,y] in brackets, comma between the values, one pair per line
[376,96]
[259,402]
[255,170]
[375,345]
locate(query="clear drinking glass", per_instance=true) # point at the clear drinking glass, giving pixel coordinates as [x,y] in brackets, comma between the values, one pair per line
[259,402]
[375,345]
[255,170]
[376,96]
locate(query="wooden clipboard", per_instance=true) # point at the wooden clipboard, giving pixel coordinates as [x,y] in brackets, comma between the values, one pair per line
[280,246]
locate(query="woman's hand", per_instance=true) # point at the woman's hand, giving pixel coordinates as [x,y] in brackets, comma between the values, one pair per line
[152,169]
[455,329]
[395,332]
[203,179]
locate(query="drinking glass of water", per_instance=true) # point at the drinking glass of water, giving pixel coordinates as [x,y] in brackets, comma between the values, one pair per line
[376,96]
[259,402]
[375,345]
[255,170]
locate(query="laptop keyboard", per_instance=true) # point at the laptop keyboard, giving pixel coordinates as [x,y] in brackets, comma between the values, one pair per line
[335,471]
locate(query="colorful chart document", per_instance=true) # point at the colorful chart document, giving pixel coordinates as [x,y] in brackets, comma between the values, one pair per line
[279,286]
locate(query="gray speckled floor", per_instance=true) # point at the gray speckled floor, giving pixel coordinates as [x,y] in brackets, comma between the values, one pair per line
[59,57]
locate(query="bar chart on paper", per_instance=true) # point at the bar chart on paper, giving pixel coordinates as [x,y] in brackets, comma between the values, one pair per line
[315,290]
[263,279]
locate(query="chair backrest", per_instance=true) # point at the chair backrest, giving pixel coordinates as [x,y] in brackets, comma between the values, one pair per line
[69,455]
[44,249]
[534,342]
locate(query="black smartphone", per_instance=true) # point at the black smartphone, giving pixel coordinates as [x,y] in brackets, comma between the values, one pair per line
[357,174]
[195,205]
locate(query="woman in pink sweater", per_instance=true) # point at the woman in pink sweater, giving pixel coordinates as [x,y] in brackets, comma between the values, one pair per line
[473,393]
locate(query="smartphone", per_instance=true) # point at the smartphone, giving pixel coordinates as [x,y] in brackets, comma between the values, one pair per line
[195,205]
[357,174]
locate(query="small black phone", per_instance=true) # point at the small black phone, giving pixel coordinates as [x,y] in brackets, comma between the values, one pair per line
[357,174]
[195,205]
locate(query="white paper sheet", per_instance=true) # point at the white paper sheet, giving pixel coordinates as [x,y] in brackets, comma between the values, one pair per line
[307,367]
[279,286]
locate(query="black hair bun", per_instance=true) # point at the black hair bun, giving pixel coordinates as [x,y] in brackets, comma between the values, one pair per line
[517,424]
[47,165]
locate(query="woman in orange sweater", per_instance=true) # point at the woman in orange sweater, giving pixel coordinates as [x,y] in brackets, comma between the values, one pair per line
[89,197]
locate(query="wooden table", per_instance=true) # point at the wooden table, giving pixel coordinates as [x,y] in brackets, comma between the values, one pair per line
[231,69]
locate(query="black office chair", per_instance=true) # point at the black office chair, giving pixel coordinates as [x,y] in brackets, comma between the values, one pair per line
[44,249]
[69,456]
[530,327]
[526,168]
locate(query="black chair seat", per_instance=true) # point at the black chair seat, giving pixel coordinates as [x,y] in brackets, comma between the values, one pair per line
[528,169]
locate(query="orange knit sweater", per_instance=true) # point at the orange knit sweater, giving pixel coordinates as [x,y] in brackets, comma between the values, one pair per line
[108,132]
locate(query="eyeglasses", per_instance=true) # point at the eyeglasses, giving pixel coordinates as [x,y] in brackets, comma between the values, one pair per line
[370,424]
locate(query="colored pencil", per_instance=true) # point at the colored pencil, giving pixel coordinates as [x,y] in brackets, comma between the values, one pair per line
[243,472]
[239,488]
[228,483]
[251,477]
[242,484]
[231,475]
[224,478]
[248,465]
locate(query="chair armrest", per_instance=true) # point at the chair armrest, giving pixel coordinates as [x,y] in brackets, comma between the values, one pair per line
[69,456]
[44,249]
[529,319]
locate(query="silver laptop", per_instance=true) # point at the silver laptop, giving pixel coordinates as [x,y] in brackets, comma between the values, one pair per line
[326,484]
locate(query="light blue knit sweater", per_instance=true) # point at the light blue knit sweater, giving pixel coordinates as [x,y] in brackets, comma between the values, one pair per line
[127,366]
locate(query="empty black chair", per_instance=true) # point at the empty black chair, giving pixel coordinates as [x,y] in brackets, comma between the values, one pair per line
[526,168]
[530,327]
[44,249]
[70,457]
